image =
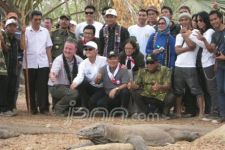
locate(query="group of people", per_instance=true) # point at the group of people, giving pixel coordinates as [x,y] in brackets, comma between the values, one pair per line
[151,67]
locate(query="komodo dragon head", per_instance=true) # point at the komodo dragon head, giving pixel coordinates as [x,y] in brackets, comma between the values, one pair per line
[95,133]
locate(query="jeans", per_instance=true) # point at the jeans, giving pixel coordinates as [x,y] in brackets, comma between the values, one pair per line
[220,78]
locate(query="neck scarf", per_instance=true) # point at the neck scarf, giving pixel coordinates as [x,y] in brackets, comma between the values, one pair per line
[130,63]
[70,74]
[117,39]
[112,76]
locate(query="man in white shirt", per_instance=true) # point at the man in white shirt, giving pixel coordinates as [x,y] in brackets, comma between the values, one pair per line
[185,66]
[64,69]
[141,31]
[85,81]
[38,47]
[89,11]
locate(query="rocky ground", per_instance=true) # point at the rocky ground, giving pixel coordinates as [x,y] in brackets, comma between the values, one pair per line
[60,141]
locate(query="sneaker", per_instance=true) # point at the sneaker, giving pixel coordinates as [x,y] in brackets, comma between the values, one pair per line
[219,120]
[210,117]
[9,113]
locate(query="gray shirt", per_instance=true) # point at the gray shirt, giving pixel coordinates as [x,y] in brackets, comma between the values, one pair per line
[122,76]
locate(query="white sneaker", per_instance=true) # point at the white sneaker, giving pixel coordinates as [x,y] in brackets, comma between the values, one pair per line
[9,113]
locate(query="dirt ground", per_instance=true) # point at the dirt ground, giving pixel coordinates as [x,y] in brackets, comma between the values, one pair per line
[58,141]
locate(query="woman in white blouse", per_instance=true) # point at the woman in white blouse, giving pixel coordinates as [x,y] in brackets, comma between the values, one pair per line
[205,62]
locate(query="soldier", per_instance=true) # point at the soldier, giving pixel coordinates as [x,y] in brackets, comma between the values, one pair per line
[151,88]
[60,35]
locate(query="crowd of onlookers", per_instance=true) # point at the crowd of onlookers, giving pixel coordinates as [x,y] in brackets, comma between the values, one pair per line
[155,66]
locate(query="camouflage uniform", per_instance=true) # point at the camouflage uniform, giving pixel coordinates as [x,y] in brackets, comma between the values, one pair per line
[145,80]
[58,39]
[144,99]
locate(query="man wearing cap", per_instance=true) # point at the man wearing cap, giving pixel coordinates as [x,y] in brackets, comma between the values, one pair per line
[85,81]
[185,66]
[11,47]
[150,90]
[141,31]
[112,36]
[72,26]
[115,81]
[60,35]
[153,14]
[89,11]
[64,69]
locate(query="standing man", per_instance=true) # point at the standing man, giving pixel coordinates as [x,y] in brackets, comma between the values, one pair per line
[85,81]
[11,47]
[141,31]
[48,23]
[89,11]
[153,14]
[185,66]
[13,15]
[38,47]
[64,69]
[112,36]
[218,47]
[60,35]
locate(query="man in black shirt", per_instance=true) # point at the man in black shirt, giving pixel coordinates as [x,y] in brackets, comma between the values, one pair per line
[112,36]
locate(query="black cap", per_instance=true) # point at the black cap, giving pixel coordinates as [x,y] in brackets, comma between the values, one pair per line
[64,16]
[150,58]
[112,54]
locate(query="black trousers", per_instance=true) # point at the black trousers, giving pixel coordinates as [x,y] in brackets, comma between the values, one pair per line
[120,100]
[152,105]
[38,89]
[88,94]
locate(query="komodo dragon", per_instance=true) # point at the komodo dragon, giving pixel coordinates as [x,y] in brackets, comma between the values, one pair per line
[14,130]
[140,136]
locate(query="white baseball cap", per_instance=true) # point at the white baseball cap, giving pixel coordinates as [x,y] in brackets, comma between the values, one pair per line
[73,22]
[111,12]
[10,21]
[91,44]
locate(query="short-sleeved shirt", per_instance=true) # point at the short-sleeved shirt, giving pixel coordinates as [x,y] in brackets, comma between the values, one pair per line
[36,44]
[188,58]
[145,79]
[218,38]
[121,76]
[142,35]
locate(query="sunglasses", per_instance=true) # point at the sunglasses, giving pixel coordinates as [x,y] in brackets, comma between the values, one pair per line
[150,62]
[90,13]
[161,23]
[89,49]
